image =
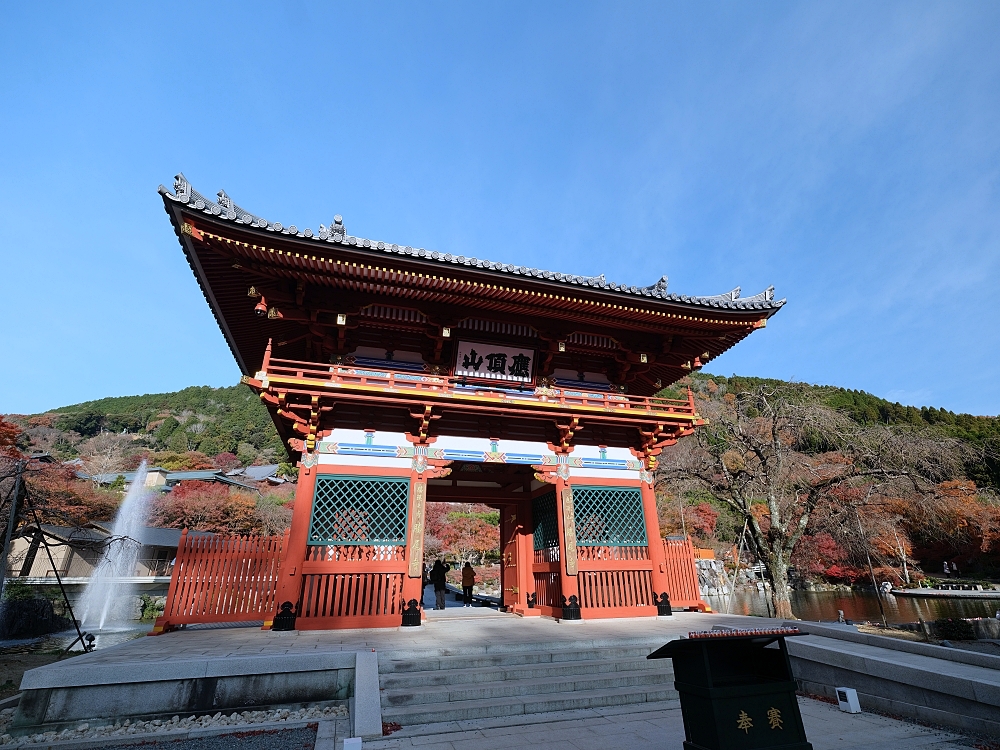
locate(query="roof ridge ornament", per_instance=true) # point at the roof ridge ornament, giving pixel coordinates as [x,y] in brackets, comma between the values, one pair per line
[235,212]
[659,289]
[182,188]
[335,232]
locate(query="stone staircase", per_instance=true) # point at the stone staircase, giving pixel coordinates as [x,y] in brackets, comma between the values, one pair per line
[511,680]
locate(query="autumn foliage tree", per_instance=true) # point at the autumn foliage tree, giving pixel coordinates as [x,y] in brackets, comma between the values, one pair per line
[221,509]
[9,434]
[205,506]
[463,531]
[773,458]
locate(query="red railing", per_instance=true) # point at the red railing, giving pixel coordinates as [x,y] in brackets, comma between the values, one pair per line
[616,554]
[350,600]
[548,591]
[616,590]
[222,579]
[682,575]
[546,555]
[313,374]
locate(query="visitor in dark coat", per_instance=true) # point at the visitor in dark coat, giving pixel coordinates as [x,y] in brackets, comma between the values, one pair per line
[440,582]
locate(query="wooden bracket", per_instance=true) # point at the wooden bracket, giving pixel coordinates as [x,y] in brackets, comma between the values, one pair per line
[566,434]
[424,416]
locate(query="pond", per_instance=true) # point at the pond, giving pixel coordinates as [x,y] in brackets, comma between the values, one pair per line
[62,640]
[859,606]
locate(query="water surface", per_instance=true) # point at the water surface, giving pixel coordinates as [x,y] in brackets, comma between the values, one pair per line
[859,606]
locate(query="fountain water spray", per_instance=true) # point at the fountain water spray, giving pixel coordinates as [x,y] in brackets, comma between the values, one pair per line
[108,592]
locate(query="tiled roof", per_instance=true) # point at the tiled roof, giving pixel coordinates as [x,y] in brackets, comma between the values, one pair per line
[225,209]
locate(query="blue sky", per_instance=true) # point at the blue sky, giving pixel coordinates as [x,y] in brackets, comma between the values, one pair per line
[849,154]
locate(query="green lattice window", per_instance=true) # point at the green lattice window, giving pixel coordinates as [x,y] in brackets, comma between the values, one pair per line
[359,510]
[609,516]
[543,513]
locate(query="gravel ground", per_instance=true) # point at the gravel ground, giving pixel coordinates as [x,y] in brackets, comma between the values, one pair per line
[286,739]
[242,723]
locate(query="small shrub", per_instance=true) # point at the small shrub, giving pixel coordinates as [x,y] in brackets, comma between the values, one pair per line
[151,609]
[954,629]
[17,591]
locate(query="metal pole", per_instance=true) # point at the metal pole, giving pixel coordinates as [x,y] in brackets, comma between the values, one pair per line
[11,520]
[55,571]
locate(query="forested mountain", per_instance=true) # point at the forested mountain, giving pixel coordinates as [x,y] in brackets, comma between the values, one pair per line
[199,418]
[864,408]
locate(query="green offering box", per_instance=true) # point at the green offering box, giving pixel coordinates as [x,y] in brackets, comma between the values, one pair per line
[736,689]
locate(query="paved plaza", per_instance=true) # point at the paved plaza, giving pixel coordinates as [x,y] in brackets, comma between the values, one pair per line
[459,628]
[658,726]
[458,631]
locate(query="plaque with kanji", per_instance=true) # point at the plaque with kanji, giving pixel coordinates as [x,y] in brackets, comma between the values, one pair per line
[492,362]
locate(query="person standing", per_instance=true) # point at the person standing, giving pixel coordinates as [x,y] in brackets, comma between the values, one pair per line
[947,571]
[468,581]
[438,573]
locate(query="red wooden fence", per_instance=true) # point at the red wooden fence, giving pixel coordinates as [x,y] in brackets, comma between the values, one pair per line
[222,579]
[682,574]
[234,579]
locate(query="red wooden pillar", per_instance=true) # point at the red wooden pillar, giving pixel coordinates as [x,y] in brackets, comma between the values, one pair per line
[290,570]
[525,556]
[653,539]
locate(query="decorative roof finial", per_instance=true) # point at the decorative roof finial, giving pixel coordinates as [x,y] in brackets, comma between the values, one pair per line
[337,230]
[182,188]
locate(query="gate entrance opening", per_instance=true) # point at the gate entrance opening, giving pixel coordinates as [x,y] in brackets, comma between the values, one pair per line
[509,489]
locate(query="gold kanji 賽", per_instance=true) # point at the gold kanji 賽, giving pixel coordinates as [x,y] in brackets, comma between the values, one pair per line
[744,722]
[774,718]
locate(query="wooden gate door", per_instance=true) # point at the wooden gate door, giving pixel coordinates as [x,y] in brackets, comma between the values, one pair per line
[509,580]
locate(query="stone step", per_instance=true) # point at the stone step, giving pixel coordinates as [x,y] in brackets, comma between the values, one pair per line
[524,647]
[528,689]
[431,678]
[515,706]
[540,655]
[449,731]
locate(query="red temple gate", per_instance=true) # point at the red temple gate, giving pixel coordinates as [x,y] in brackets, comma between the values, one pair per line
[409,376]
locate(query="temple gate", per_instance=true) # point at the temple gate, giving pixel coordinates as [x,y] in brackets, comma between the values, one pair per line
[400,376]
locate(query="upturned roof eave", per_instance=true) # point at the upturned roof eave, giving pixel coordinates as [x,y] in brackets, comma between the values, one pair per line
[296,250]
[226,213]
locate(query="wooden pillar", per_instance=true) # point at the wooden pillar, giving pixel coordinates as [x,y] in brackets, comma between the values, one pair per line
[290,570]
[413,581]
[653,539]
[566,523]
[525,554]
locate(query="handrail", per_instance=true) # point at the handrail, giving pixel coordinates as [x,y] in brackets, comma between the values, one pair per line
[337,375]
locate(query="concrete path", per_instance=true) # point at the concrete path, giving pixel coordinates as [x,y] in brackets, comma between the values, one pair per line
[286,739]
[659,726]
[454,609]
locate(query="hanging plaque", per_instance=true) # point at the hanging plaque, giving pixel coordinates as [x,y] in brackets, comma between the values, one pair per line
[416,566]
[491,362]
[569,530]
